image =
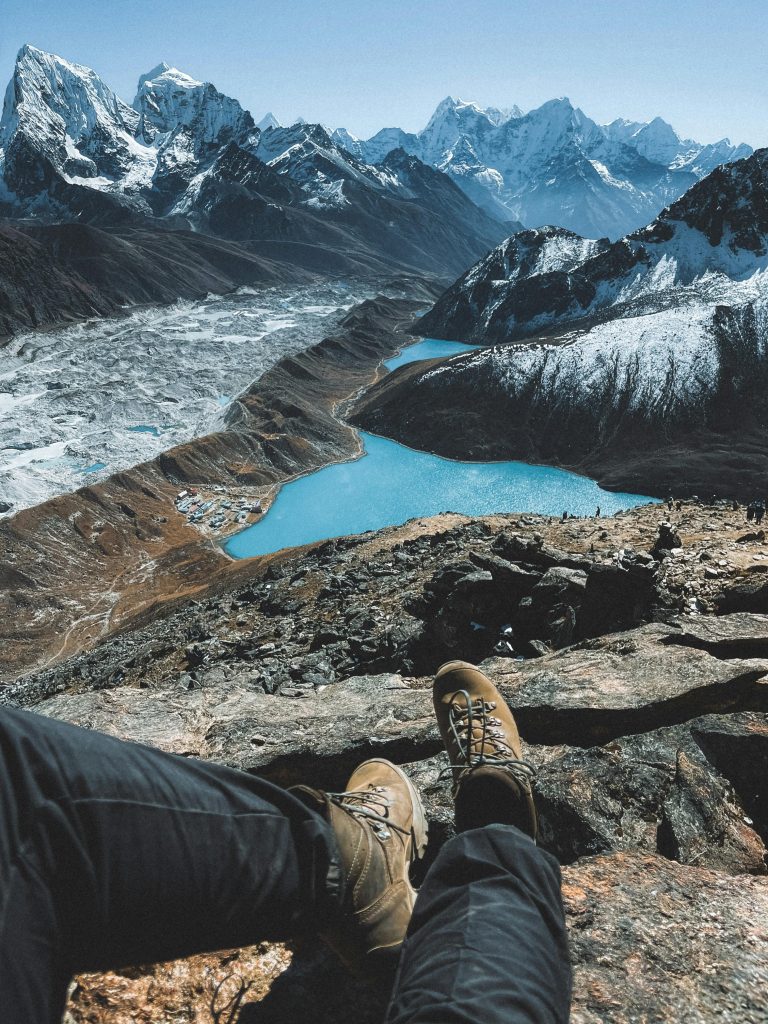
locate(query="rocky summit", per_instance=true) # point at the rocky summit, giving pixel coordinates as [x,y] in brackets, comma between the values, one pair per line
[638,673]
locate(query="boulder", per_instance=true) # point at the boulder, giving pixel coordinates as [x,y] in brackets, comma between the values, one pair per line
[288,740]
[738,747]
[746,595]
[654,792]
[617,597]
[656,941]
[739,635]
[623,683]
[667,540]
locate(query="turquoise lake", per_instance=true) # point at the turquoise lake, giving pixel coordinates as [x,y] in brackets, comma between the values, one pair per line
[392,483]
[429,348]
[145,428]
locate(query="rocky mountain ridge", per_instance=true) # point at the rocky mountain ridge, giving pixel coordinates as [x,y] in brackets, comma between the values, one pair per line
[185,156]
[554,165]
[640,362]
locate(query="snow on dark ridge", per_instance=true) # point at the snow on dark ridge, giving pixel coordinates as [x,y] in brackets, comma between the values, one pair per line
[664,400]
[308,155]
[714,235]
[729,206]
[646,359]
[654,364]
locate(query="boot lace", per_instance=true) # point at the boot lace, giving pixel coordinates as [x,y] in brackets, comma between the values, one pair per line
[474,716]
[371,806]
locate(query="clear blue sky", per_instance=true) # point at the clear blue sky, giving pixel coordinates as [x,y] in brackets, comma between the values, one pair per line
[366,64]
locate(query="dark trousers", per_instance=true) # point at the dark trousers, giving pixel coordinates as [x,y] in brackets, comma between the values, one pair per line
[487,941]
[114,854]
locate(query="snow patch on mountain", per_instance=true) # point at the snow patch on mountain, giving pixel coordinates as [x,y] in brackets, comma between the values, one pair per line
[659,360]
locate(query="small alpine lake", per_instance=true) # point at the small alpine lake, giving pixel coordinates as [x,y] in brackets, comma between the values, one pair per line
[428,348]
[391,484]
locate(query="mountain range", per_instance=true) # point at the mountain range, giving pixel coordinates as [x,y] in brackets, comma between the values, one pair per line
[554,165]
[185,157]
[642,362]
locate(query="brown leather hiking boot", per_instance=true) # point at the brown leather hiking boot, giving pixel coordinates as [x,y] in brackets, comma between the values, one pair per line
[491,782]
[381,828]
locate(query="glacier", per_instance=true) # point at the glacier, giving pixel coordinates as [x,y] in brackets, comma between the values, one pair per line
[116,392]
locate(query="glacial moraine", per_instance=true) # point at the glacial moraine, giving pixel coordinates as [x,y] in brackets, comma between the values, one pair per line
[97,397]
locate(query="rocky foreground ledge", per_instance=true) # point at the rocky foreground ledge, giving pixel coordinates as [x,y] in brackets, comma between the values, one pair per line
[642,697]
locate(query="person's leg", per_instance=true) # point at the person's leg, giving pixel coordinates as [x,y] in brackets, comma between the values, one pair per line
[487,940]
[113,853]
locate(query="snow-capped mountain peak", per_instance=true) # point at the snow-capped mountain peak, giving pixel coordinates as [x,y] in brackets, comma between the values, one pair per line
[554,164]
[455,115]
[61,118]
[169,99]
[500,115]
[268,121]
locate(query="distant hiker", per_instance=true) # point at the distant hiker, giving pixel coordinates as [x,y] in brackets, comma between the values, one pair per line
[565,516]
[597,512]
[679,505]
[115,854]
[670,502]
[750,511]
[759,512]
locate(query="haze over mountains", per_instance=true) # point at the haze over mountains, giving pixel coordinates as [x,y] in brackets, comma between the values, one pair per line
[554,165]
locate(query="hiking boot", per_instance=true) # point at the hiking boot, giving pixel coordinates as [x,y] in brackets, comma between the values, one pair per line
[491,781]
[380,828]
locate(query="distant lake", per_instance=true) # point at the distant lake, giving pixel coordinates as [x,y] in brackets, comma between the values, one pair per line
[429,348]
[392,483]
